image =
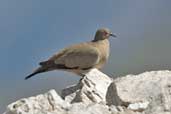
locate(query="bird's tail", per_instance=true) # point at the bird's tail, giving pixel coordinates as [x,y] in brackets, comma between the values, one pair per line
[37,71]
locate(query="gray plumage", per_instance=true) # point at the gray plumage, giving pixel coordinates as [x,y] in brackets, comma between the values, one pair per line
[81,57]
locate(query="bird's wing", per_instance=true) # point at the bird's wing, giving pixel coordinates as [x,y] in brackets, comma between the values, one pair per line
[78,57]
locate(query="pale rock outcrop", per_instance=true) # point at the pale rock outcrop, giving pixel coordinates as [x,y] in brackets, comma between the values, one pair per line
[153,88]
[96,93]
[91,89]
[49,102]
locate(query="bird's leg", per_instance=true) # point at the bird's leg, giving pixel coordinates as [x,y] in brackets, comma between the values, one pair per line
[82,76]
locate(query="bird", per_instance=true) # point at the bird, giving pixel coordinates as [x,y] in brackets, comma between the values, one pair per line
[79,58]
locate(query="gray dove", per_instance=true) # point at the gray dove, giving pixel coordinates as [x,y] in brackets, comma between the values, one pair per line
[79,58]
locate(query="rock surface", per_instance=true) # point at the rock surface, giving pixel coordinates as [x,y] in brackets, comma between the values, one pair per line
[90,89]
[96,93]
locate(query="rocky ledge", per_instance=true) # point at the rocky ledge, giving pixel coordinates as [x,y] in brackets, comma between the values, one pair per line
[96,93]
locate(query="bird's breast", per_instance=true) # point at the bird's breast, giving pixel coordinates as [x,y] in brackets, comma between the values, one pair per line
[104,50]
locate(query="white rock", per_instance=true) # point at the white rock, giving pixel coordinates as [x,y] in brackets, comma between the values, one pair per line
[146,93]
[91,89]
[154,87]
[94,108]
[138,106]
[49,103]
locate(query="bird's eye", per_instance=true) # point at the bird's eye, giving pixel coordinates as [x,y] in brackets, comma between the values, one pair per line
[105,33]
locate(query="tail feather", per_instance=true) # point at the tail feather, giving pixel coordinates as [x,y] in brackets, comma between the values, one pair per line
[37,71]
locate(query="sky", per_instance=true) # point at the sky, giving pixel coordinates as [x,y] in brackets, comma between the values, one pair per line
[33,30]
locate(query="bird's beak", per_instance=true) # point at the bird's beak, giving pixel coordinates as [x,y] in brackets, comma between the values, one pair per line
[113,35]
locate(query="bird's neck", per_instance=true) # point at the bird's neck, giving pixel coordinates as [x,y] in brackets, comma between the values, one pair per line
[104,41]
[96,40]
[102,45]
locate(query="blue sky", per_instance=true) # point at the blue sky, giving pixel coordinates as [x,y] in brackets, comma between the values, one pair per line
[33,30]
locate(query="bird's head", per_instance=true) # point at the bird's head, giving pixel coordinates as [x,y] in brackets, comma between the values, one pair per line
[103,33]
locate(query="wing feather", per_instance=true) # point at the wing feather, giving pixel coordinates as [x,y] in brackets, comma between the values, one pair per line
[82,57]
